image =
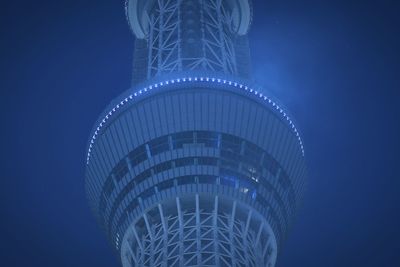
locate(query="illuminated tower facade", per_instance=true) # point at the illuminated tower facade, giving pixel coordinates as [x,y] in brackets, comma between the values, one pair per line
[192,166]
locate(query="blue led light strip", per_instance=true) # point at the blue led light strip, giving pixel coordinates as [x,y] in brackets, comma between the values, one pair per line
[190,79]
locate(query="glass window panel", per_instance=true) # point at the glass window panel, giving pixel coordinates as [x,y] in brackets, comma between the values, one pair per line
[159,145]
[180,139]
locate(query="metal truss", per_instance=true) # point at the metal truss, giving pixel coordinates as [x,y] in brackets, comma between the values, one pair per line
[215,37]
[198,237]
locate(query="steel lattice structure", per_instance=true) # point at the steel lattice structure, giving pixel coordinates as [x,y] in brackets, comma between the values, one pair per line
[198,238]
[188,35]
[192,166]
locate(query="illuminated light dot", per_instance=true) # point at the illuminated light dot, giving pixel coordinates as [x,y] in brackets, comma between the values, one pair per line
[195,78]
[213,79]
[184,79]
[251,90]
[265,98]
[156,85]
[167,82]
[235,84]
[140,91]
[130,96]
[246,88]
[255,92]
[190,79]
[116,107]
[219,80]
[230,83]
[161,83]
[178,80]
[224,81]
[241,85]
[172,81]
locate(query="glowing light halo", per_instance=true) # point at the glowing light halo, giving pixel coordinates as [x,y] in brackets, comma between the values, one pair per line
[138,93]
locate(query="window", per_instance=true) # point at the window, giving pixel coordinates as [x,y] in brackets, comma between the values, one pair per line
[159,145]
[162,167]
[209,139]
[205,179]
[186,180]
[143,176]
[147,193]
[184,162]
[165,185]
[180,139]
[138,155]
[207,161]
[231,143]
[120,170]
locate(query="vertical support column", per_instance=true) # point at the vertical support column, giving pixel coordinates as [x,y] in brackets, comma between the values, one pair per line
[161,29]
[232,221]
[215,226]
[179,35]
[151,47]
[180,218]
[245,232]
[221,35]
[198,232]
[165,235]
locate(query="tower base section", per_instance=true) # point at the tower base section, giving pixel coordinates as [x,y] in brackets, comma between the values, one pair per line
[199,230]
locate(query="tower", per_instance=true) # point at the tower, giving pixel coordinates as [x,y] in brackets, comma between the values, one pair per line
[192,166]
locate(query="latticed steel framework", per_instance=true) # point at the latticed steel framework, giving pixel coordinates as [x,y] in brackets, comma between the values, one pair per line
[178,234]
[176,35]
[188,169]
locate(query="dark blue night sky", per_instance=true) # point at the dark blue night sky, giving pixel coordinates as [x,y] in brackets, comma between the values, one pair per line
[335,64]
